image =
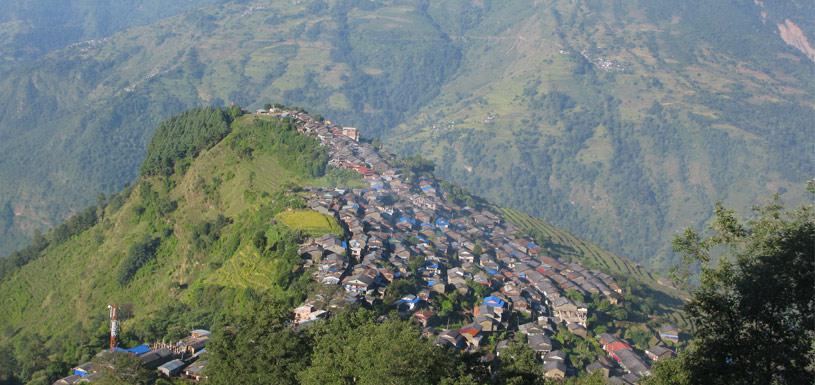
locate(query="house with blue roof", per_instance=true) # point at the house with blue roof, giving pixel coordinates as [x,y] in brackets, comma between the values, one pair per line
[137,350]
[494,301]
[442,223]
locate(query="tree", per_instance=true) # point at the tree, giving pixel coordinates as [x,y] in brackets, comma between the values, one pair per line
[519,366]
[121,369]
[754,312]
[258,348]
[668,372]
[353,349]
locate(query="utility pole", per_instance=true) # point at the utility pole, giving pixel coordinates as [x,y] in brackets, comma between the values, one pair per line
[114,326]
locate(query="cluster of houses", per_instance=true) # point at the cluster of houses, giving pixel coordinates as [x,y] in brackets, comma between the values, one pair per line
[400,227]
[185,358]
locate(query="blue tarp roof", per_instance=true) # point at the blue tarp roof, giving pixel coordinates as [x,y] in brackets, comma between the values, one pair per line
[412,300]
[407,219]
[137,350]
[494,301]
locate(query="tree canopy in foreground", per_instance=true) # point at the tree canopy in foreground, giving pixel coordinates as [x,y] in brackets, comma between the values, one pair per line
[754,311]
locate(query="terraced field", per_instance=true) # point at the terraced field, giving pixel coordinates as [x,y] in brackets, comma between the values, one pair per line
[310,222]
[566,246]
[246,269]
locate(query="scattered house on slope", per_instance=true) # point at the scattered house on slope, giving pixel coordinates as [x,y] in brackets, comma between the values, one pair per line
[554,365]
[171,368]
[669,333]
[539,343]
[156,358]
[555,370]
[599,366]
[195,371]
[656,353]
[451,338]
[577,329]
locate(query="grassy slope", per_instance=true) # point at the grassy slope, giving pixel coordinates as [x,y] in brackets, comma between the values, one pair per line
[70,285]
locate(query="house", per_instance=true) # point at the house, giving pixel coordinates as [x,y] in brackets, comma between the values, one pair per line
[195,371]
[656,353]
[358,284]
[598,366]
[606,338]
[531,329]
[577,329]
[569,312]
[554,365]
[472,334]
[84,370]
[670,333]
[631,362]
[615,346]
[351,132]
[425,317]
[488,324]
[554,369]
[555,355]
[451,338]
[172,368]
[156,358]
[540,344]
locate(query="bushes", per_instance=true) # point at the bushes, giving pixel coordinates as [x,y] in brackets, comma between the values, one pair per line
[205,234]
[137,256]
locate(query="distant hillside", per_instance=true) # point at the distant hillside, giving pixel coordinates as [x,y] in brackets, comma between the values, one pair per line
[625,121]
[621,122]
[29,29]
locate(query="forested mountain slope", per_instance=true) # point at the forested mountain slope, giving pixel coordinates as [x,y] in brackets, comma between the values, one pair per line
[624,121]
[620,121]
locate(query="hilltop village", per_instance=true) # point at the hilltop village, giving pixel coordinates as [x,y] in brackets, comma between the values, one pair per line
[405,230]
[402,227]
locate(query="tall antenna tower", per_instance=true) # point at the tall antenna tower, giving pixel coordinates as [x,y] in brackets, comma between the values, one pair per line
[114,326]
